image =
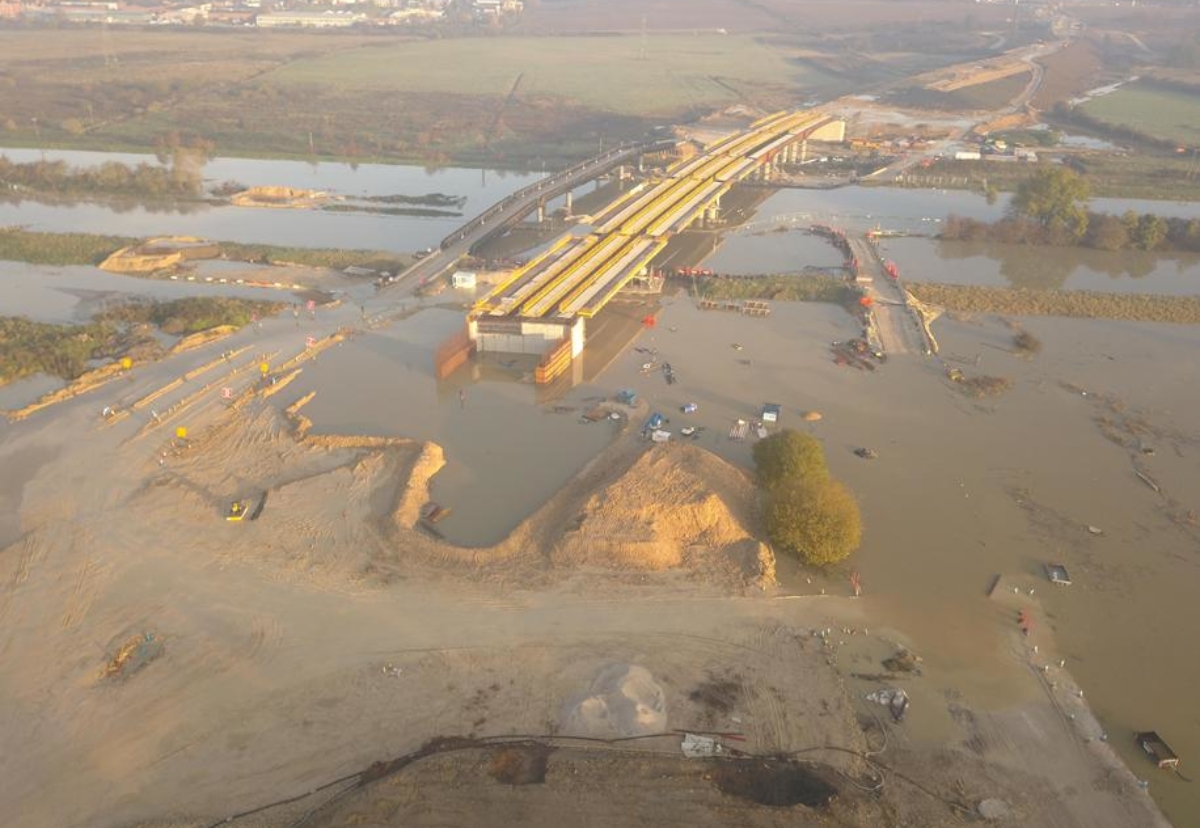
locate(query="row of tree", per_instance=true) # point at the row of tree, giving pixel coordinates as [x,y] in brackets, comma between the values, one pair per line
[181,178]
[808,514]
[1051,208]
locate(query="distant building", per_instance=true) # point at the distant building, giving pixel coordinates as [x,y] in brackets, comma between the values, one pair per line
[411,17]
[10,10]
[313,20]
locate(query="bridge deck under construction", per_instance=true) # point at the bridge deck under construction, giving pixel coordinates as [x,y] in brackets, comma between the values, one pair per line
[579,274]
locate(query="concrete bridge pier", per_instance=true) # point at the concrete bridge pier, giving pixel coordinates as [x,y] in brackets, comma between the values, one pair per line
[570,203]
[541,210]
[803,150]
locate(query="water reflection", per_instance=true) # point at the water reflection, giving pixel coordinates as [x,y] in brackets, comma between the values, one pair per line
[1045,268]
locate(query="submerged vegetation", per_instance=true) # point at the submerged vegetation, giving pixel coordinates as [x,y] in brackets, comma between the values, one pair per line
[1050,207]
[190,315]
[20,245]
[179,179]
[28,347]
[65,351]
[1076,303]
[803,287]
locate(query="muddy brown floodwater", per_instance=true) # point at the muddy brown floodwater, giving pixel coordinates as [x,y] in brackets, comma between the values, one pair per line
[963,490]
[505,454]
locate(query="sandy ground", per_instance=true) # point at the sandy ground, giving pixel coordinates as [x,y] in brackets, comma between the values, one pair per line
[281,654]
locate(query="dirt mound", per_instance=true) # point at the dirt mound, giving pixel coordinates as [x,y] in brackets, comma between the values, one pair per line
[676,507]
[278,197]
[161,253]
[624,700]
[415,492]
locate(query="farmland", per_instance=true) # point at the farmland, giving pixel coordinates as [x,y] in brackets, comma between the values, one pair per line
[1159,113]
[671,75]
[515,102]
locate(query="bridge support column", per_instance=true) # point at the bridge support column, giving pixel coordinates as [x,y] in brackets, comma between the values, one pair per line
[803,150]
[541,211]
[570,203]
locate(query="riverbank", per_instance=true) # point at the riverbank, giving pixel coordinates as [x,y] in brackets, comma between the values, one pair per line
[21,245]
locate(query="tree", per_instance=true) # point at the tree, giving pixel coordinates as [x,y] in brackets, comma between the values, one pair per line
[789,455]
[1107,232]
[1056,198]
[1151,231]
[816,520]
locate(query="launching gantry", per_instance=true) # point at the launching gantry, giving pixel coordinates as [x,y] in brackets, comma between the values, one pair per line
[542,307]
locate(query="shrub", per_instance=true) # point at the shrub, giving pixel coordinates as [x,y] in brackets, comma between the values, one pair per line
[789,455]
[816,520]
[1027,343]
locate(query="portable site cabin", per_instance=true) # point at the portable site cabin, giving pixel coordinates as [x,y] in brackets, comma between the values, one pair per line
[463,280]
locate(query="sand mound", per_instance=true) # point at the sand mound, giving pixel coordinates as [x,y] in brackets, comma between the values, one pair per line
[278,197]
[677,507]
[623,700]
[415,493]
[161,253]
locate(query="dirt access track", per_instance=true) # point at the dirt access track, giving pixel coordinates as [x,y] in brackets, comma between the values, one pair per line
[162,666]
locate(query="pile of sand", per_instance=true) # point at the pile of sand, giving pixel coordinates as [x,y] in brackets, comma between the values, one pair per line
[278,197]
[623,700]
[161,253]
[677,507]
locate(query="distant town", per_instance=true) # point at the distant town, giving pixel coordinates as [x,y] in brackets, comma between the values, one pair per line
[330,14]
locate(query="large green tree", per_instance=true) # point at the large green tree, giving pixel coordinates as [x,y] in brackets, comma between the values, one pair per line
[789,455]
[816,520]
[1055,197]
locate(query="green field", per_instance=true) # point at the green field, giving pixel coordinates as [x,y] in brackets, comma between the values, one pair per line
[672,75]
[1160,113]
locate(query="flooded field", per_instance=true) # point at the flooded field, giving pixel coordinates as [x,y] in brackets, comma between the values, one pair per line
[478,189]
[964,490]
[486,417]
[46,293]
[1040,268]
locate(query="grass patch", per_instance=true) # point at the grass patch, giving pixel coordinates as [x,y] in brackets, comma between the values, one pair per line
[28,347]
[1027,343]
[1161,113]
[987,96]
[984,385]
[20,245]
[193,314]
[677,74]
[315,256]
[1073,303]
[806,287]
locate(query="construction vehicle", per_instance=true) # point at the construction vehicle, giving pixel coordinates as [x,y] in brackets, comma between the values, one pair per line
[237,510]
